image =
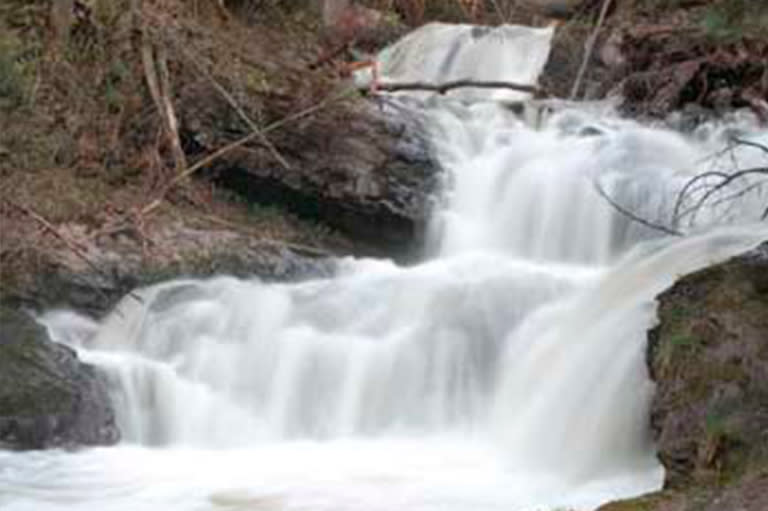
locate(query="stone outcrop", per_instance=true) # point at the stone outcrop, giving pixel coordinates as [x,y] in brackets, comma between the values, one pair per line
[359,168]
[48,398]
[116,266]
[709,358]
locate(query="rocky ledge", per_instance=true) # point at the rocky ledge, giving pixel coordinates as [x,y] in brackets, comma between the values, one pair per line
[709,358]
[93,281]
[361,168]
[48,398]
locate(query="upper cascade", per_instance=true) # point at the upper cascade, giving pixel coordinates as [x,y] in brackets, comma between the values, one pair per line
[438,53]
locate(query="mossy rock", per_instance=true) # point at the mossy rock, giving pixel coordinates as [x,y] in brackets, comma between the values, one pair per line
[708,356]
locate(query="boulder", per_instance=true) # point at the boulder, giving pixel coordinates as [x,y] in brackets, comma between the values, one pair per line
[61,279]
[360,168]
[709,358]
[48,398]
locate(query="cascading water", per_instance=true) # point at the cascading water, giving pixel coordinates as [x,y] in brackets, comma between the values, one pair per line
[505,372]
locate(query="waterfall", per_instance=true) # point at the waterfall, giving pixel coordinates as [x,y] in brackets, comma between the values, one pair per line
[506,371]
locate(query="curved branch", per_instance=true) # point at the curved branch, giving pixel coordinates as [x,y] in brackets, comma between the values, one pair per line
[741,141]
[632,216]
[684,191]
[728,198]
[726,182]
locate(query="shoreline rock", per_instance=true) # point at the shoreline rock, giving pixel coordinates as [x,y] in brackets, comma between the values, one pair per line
[62,280]
[709,358]
[48,398]
[362,169]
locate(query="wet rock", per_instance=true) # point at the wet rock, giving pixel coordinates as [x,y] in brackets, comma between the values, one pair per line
[48,398]
[60,280]
[361,168]
[709,358]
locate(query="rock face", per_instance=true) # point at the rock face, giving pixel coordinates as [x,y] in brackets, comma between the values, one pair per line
[709,355]
[356,167]
[48,398]
[62,280]
[709,358]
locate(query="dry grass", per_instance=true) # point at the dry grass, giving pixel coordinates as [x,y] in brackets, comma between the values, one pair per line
[82,143]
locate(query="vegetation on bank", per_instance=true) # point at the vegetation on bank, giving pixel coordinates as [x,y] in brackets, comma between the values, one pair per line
[86,149]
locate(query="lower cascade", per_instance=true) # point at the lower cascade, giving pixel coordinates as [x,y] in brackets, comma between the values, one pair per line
[505,372]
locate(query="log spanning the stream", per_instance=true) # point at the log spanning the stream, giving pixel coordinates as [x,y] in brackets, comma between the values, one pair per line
[442,88]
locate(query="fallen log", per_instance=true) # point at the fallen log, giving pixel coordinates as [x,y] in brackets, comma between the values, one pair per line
[442,88]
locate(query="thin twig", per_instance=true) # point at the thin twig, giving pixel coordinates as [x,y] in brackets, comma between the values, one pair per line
[309,110]
[728,198]
[632,216]
[728,180]
[682,195]
[296,247]
[158,200]
[499,11]
[741,141]
[238,109]
[589,48]
[76,249]
[234,145]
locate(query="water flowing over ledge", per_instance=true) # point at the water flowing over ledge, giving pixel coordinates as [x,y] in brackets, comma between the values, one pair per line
[505,372]
[439,53]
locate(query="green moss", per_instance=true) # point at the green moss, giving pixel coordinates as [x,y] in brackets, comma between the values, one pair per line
[675,350]
[674,315]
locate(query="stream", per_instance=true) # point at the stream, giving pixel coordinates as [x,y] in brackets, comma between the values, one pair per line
[504,372]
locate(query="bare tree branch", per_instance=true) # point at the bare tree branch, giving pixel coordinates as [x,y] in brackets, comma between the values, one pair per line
[442,88]
[238,143]
[632,216]
[741,141]
[681,196]
[72,245]
[725,182]
[702,192]
[728,198]
[238,109]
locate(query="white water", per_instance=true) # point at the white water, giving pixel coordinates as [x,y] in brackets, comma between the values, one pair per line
[505,373]
[438,53]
